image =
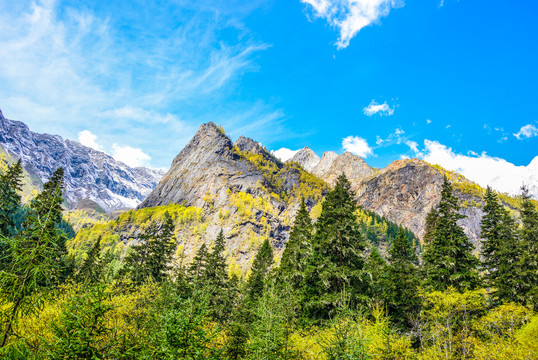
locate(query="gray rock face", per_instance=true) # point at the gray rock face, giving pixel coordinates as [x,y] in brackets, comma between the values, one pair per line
[406,190]
[207,165]
[89,174]
[307,158]
[325,164]
[353,166]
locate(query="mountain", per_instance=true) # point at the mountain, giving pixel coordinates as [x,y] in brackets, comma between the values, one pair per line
[91,177]
[241,188]
[307,158]
[215,184]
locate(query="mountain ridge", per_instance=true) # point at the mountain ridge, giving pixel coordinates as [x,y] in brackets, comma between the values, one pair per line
[89,174]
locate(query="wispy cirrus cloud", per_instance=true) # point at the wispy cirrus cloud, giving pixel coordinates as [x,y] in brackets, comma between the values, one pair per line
[114,72]
[351,16]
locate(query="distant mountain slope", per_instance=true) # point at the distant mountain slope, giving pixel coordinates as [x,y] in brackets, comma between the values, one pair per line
[90,175]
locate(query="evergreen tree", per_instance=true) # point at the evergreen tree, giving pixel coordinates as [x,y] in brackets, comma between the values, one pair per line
[500,249]
[259,271]
[448,258]
[402,299]
[135,264]
[161,245]
[528,266]
[298,248]
[198,265]
[151,256]
[37,257]
[508,282]
[89,270]
[221,292]
[377,272]
[337,262]
[10,200]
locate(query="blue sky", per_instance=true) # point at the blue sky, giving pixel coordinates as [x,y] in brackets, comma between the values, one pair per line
[453,82]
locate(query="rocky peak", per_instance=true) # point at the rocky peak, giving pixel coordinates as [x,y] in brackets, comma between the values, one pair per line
[247,145]
[325,163]
[332,165]
[307,158]
[208,165]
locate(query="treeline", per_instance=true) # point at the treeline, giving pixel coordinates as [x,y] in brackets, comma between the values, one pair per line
[333,296]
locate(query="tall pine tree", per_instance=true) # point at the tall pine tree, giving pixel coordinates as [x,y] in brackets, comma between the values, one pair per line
[337,262]
[217,282]
[298,248]
[448,254]
[402,301]
[10,199]
[37,256]
[150,258]
[528,267]
[259,271]
[500,250]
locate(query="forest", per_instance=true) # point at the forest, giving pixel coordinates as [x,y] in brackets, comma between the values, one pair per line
[333,295]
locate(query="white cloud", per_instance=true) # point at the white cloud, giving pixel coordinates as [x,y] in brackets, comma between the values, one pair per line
[357,146]
[381,109]
[350,16]
[428,121]
[413,146]
[284,154]
[131,156]
[527,131]
[86,138]
[485,170]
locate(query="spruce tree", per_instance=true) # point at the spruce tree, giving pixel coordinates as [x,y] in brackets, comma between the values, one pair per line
[500,249]
[150,258]
[337,262]
[377,273]
[216,281]
[89,270]
[402,300]
[259,271]
[448,258]
[161,245]
[198,265]
[10,199]
[508,282]
[298,248]
[528,267]
[37,257]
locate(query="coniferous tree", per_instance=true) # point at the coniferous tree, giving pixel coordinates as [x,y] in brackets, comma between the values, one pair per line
[298,248]
[528,267]
[337,262]
[221,291]
[500,249]
[198,265]
[508,283]
[10,199]
[259,271]
[37,256]
[376,269]
[402,296]
[89,270]
[161,245]
[448,258]
[151,256]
